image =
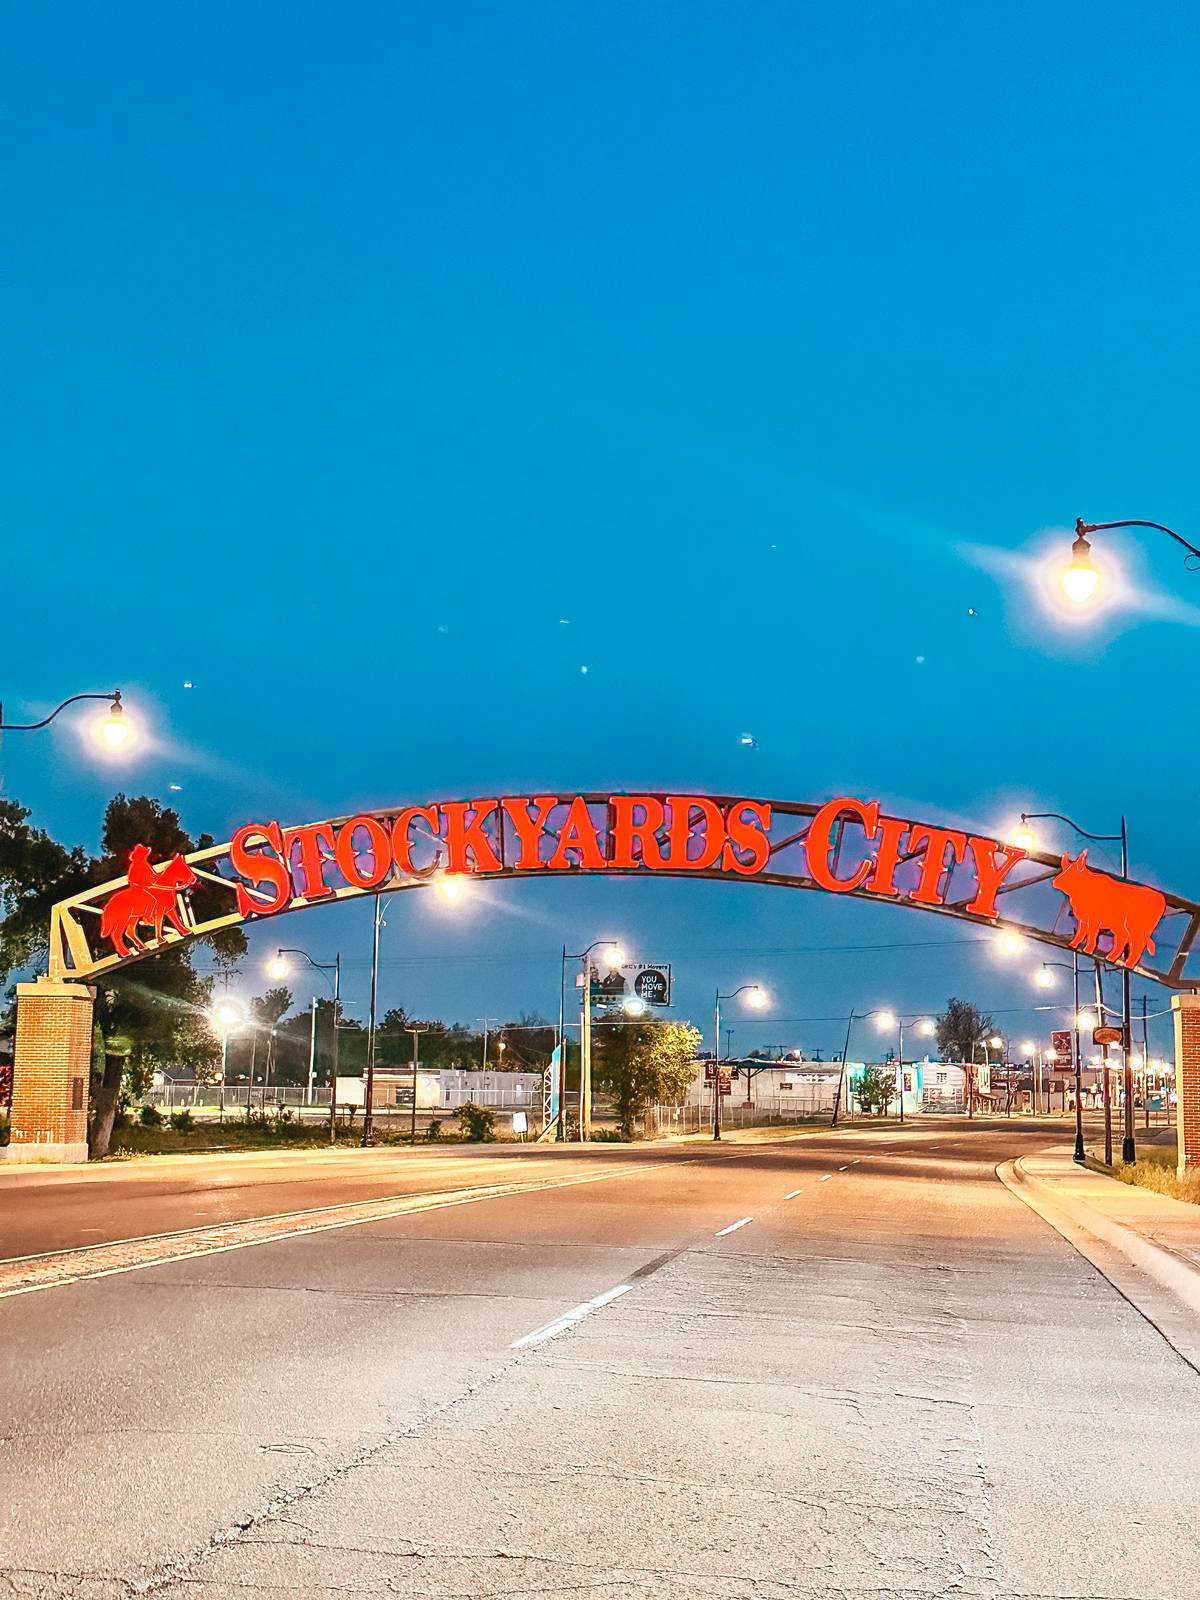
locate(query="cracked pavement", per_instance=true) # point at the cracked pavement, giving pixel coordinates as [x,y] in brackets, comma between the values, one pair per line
[900,1382]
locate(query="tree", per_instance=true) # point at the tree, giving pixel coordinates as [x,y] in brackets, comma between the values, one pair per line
[875,1090]
[961,1028]
[35,872]
[640,1063]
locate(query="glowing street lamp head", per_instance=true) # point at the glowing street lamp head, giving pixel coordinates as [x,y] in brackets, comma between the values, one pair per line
[612,955]
[278,967]
[927,1027]
[227,1015]
[450,889]
[1023,836]
[885,1019]
[996,1041]
[1044,977]
[1009,943]
[113,729]
[1027,1047]
[757,997]
[635,1006]
[1080,580]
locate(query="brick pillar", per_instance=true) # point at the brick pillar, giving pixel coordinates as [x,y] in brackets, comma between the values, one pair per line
[1187,1078]
[51,1066]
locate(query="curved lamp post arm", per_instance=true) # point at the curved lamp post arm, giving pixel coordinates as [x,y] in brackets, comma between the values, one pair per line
[30,727]
[1058,816]
[1082,529]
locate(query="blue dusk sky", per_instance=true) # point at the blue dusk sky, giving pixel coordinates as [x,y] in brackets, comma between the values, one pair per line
[411,401]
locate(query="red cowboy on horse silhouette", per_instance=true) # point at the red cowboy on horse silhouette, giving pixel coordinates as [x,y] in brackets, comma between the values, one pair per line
[151,897]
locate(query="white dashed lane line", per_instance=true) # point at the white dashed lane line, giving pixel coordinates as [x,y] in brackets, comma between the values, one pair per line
[793,1194]
[841,1169]
[733,1227]
[826,1178]
[551,1330]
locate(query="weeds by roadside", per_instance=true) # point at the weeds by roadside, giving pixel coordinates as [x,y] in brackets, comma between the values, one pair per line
[1162,1178]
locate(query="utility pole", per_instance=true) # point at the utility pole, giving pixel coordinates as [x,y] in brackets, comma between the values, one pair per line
[416,1034]
[1108,1132]
[368,1099]
[312,1052]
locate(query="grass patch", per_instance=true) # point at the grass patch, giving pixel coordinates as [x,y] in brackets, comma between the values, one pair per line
[1161,1178]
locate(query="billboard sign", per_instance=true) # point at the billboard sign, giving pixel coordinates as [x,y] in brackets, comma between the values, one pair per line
[636,980]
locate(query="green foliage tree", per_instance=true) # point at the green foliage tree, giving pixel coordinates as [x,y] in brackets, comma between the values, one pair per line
[961,1028]
[875,1090]
[477,1122]
[641,1063]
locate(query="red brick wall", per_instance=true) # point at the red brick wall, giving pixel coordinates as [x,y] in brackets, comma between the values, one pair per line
[1187,1078]
[51,1063]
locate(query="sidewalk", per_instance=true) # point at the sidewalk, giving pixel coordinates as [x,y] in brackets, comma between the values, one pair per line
[1147,1245]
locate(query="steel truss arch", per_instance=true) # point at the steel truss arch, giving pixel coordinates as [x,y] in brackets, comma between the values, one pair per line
[1027,901]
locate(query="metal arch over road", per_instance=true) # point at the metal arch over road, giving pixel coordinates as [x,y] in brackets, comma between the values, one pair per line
[843,846]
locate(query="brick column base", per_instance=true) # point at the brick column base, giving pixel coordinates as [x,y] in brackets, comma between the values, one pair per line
[1187,1079]
[52,1063]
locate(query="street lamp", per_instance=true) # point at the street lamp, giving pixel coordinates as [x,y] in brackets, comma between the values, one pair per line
[1045,978]
[279,967]
[226,1017]
[1128,1147]
[613,957]
[758,998]
[890,1019]
[112,730]
[1081,579]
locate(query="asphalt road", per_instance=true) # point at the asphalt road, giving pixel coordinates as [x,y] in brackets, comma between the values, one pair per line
[851,1365]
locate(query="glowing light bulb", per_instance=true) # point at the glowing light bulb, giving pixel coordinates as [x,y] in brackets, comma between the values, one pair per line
[1009,943]
[1023,837]
[278,967]
[1080,580]
[450,889]
[1027,1047]
[996,1041]
[613,956]
[1044,978]
[634,1006]
[757,997]
[927,1027]
[885,1019]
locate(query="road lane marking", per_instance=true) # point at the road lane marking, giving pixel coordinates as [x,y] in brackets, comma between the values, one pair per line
[58,1268]
[551,1330]
[841,1169]
[826,1178]
[793,1194]
[732,1228]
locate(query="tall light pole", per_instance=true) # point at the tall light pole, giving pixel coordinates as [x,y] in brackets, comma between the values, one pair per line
[756,996]
[886,1018]
[226,1017]
[614,956]
[278,967]
[1073,969]
[1128,1147]
[416,1037]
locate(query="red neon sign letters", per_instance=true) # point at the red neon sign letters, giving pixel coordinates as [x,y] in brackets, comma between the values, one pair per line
[849,846]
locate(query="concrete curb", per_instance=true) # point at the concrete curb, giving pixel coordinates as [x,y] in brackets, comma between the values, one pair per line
[1170,1299]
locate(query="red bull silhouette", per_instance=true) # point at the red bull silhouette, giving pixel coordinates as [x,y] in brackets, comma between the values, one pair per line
[150,898]
[1101,904]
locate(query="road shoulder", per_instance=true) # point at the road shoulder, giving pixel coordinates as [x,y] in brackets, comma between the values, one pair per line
[1145,1244]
